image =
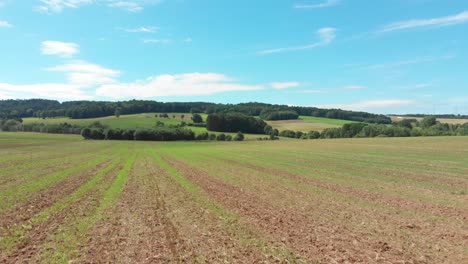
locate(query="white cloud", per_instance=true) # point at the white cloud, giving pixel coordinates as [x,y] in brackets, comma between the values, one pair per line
[159,41]
[62,49]
[46,90]
[432,22]
[284,85]
[81,76]
[5,24]
[142,30]
[56,6]
[354,87]
[126,5]
[327,3]
[86,74]
[187,84]
[326,35]
[49,6]
[188,40]
[371,105]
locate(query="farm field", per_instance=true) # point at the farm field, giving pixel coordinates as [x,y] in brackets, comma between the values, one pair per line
[382,200]
[148,120]
[308,123]
[442,120]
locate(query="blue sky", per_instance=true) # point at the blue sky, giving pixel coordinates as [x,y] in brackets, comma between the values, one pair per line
[393,56]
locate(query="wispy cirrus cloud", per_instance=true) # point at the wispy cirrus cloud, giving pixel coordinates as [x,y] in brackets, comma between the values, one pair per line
[285,85]
[50,6]
[142,29]
[354,87]
[157,41]
[57,6]
[431,22]
[326,35]
[347,88]
[127,5]
[5,24]
[327,3]
[59,48]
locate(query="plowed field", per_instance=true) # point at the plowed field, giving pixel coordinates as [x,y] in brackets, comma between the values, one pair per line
[385,200]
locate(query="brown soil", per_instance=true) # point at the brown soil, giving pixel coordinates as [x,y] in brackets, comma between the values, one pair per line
[30,248]
[327,242]
[157,221]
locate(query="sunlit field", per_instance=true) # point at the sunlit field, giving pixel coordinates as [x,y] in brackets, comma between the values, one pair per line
[382,200]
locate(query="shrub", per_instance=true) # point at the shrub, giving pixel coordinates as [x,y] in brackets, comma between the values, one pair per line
[239,136]
[221,137]
[196,118]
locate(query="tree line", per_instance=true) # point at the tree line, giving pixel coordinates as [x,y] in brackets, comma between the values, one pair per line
[405,128]
[10,109]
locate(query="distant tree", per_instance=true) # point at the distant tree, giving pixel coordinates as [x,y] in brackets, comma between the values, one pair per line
[228,138]
[428,121]
[268,129]
[221,137]
[173,116]
[239,136]
[159,124]
[203,136]
[86,133]
[128,134]
[299,134]
[275,132]
[182,116]
[212,137]
[232,122]
[117,112]
[197,118]
[314,135]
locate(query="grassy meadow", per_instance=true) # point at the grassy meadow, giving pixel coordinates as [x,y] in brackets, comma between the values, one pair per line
[379,200]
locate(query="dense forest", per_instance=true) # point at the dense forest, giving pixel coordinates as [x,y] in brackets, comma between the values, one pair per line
[14,109]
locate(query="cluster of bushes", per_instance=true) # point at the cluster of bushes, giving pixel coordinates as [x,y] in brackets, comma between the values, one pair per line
[233,122]
[220,137]
[300,134]
[15,125]
[278,115]
[157,134]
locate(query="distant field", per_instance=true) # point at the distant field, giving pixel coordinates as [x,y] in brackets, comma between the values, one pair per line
[381,200]
[308,123]
[148,120]
[442,120]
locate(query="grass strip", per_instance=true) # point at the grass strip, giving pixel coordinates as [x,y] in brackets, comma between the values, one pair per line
[66,242]
[17,233]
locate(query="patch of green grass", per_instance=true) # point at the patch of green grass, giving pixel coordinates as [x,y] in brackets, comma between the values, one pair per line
[322,120]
